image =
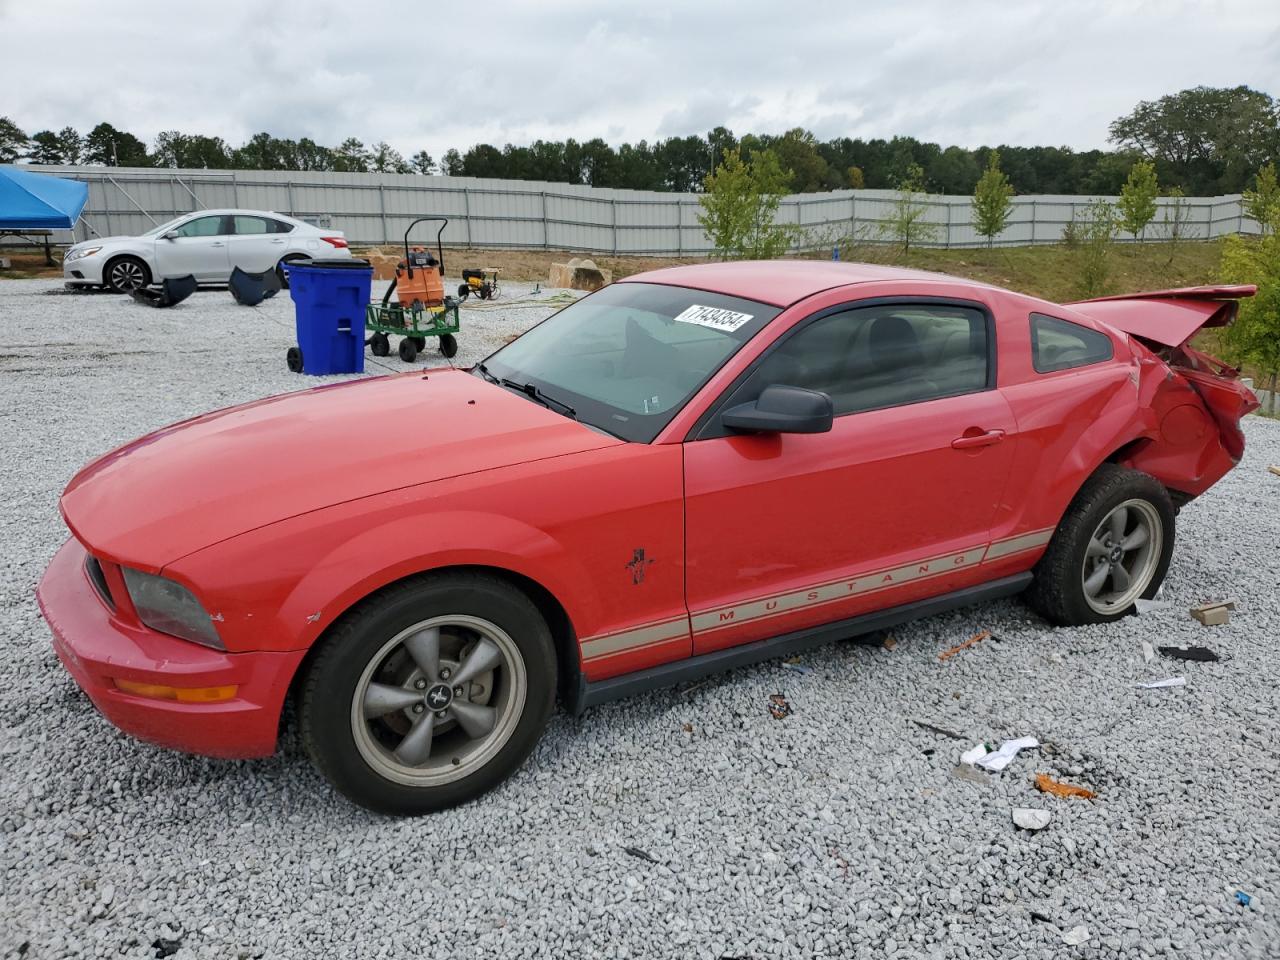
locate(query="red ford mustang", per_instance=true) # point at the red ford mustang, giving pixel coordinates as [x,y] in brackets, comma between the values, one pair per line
[693,469]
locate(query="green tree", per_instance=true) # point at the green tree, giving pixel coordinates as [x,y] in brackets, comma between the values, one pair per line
[1262,203]
[1137,203]
[351,156]
[992,203]
[1096,234]
[13,142]
[907,224]
[423,164]
[386,159]
[1254,337]
[451,165]
[192,151]
[1177,220]
[71,144]
[1206,140]
[44,148]
[109,147]
[740,203]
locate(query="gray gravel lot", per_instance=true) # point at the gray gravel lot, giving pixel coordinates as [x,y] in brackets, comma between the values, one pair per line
[837,831]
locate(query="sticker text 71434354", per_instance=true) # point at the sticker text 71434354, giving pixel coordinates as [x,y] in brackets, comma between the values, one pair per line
[714,317]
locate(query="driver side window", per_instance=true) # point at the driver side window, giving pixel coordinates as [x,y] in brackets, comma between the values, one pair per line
[201,227]
[868,358]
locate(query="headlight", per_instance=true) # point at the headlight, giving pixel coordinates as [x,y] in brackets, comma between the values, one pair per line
[169,607]
[73,255]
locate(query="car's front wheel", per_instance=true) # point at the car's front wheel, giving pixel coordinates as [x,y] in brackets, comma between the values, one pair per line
[429,693]
[126,273]
[1111,549]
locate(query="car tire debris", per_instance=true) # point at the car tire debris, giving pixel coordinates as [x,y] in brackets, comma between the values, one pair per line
[1194,654]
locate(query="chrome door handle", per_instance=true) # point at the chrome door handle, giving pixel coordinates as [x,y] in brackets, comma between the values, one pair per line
[969,441]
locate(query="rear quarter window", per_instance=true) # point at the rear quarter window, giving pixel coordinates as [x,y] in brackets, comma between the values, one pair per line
[1062,345]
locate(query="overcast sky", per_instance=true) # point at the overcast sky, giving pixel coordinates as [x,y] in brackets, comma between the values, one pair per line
[439,74]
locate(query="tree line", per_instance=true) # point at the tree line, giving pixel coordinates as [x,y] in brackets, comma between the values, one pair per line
[1203,141]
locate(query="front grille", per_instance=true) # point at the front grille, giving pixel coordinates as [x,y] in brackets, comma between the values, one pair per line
[94,569]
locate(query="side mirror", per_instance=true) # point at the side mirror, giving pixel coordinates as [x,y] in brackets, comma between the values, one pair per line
[171,235]
[782,409]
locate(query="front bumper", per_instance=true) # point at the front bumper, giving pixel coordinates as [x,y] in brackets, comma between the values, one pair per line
[98,645]
[86,271]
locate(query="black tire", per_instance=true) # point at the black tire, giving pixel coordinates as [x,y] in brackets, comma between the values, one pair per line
[448,345]
[408,350]
[380,345]
[420,343]
[293,357]
[329,686]
[464,291]
[1058,592]
[280,271]
[122,274]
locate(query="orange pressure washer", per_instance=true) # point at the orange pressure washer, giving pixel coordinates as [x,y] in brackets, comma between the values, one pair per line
[421,309]
[419,280]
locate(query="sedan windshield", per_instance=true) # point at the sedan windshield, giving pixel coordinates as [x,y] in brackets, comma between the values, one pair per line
[626,359]
[165,227]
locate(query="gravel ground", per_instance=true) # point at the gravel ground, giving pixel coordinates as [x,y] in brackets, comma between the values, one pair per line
[837,831]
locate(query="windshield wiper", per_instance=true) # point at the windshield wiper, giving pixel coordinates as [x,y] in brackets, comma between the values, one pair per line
[533,393]
[529,390]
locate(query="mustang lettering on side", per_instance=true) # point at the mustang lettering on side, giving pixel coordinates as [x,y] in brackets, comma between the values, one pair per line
[693,469]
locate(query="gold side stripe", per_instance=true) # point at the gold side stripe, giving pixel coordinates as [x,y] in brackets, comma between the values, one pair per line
[1027,541]
[631,639]
[840,590]
[824,593]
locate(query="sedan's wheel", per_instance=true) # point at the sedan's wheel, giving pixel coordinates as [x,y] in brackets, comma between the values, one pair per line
[1111,549]
[127,273]
[429,693]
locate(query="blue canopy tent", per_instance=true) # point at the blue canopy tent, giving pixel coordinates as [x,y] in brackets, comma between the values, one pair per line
[32,203]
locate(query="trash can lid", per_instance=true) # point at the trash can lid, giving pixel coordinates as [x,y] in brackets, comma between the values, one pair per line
[346,263]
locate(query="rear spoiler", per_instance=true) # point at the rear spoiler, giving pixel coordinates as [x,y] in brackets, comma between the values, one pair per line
[1168,317]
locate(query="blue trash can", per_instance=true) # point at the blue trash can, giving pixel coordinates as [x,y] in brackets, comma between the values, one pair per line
[329,300]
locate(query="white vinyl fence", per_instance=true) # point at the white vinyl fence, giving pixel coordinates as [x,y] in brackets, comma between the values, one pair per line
[376,208]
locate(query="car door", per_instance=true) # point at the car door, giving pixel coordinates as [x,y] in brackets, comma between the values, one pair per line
[256,243]
[895,503]
[198,248]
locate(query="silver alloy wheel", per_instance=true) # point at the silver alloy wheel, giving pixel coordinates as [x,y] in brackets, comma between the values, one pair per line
[439,700]
[1122,557]
[126,275]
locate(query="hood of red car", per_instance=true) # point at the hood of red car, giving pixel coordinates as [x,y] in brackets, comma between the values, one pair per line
[201,481]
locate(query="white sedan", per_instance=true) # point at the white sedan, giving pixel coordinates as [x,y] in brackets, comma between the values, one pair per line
[206,244]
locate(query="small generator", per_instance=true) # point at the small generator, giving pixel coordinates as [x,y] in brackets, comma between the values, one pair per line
[482,283]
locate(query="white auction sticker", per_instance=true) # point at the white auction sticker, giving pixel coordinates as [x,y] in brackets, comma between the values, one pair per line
[714,317]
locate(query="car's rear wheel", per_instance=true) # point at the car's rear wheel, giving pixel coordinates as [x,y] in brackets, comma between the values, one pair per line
[429,693]
[126,273]
[1111,549]
[282,273]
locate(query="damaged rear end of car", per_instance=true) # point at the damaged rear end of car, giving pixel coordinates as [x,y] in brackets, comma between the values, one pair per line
[1194,402]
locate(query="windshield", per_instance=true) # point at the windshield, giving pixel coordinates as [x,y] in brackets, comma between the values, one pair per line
[165,227]
[628,357]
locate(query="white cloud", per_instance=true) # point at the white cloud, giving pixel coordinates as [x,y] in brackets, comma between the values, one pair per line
[437,75]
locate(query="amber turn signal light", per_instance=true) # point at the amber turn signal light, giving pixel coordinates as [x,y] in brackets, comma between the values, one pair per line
[160,691]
